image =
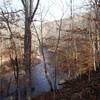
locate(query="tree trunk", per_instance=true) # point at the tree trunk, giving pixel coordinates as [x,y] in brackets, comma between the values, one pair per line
[27,55]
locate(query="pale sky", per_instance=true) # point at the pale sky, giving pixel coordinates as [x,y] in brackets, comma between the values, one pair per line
[55,8]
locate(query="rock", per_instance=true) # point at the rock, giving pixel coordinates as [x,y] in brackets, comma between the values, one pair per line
[61,82]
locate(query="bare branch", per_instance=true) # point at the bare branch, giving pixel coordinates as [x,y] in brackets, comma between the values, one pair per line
[36,7]
[23,2]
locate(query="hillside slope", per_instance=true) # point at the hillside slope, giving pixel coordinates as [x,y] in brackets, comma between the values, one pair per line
[78,89]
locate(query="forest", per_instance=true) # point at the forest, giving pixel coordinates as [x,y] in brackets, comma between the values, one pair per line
[49,49]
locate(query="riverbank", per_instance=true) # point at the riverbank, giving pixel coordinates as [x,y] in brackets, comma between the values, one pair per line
[83,88]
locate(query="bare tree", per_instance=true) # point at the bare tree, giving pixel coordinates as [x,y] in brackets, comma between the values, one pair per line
[29,15]
[7,19]
[40,37]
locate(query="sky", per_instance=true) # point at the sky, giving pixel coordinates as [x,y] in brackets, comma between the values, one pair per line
[54,9]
